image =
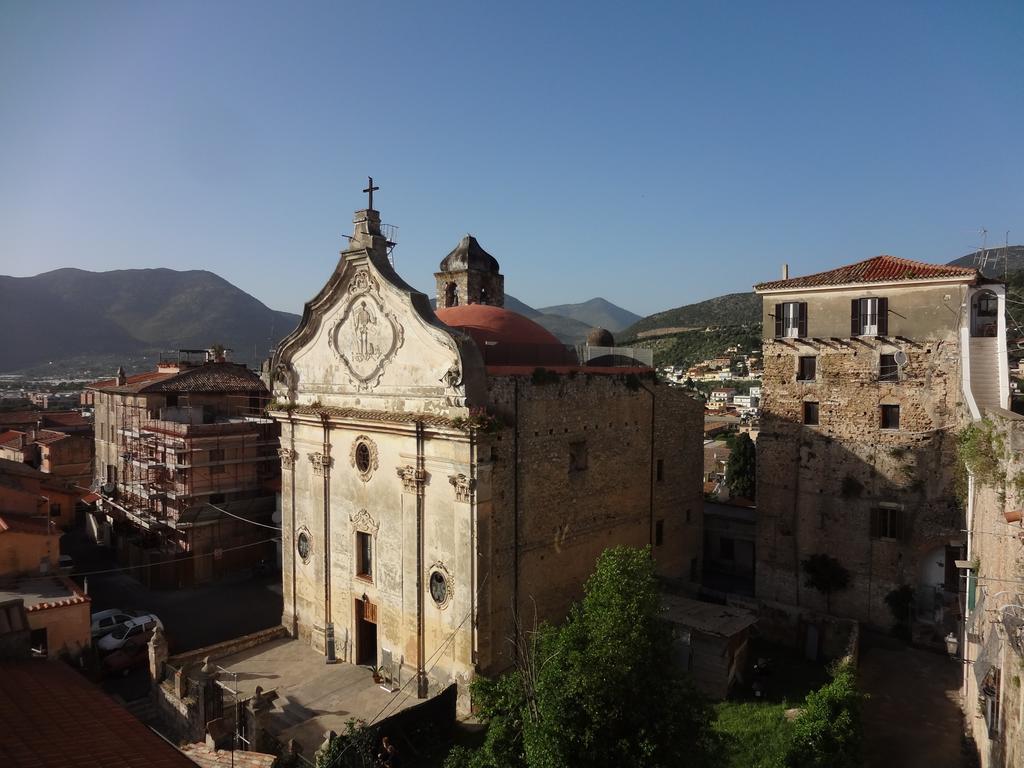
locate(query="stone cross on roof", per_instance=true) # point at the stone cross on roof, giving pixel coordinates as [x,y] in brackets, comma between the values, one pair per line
[370,189]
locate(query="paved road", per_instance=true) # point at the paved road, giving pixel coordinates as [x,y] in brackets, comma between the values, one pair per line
[193,617]
[913,717]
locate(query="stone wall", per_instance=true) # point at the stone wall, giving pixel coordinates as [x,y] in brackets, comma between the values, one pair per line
[577,471]
[818,484]
[997,583]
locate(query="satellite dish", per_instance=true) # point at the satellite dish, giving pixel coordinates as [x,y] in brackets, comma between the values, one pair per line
[900,357]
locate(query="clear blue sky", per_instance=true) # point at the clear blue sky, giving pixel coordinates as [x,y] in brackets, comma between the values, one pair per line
[652,153]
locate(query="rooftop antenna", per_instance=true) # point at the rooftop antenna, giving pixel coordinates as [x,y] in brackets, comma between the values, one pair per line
[1006,257]
[981,260]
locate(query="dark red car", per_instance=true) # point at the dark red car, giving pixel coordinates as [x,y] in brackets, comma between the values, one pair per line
[134,653]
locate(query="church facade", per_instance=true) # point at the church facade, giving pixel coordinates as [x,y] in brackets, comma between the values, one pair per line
[444,472]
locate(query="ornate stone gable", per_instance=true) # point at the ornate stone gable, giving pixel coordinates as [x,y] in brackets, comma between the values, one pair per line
[367,335]
[369,340]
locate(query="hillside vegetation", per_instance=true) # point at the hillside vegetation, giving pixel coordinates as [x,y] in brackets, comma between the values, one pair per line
[730,309]
[689,347]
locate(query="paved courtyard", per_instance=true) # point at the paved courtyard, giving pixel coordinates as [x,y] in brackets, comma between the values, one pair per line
[313,697]
[913,718]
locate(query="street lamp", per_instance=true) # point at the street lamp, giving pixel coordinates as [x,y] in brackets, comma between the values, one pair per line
[952,644]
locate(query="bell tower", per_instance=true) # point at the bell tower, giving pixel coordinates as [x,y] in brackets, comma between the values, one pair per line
[469,275]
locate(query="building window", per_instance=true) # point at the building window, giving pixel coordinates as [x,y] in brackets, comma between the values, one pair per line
[869,317]
[659,533]
[888,524]
[578,456]
[304,545]
[55,510]
[791,320]
[890,417]
[810,412]
[888,370]
[807,368]
[363,457]
[659,470]
[364,556]
[172,401]
[216,455]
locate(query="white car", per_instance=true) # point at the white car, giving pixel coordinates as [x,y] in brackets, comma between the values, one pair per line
[139,627]
[105,622]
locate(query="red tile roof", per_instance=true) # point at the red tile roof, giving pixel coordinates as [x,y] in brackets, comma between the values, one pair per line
[880,269]
[133,383]
[46,436]
[11,439]
[211,377]
[53,717]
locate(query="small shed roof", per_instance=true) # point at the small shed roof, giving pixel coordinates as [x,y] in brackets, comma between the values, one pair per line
[709,618]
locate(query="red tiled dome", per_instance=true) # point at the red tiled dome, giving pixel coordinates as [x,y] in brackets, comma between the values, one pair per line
[495,324]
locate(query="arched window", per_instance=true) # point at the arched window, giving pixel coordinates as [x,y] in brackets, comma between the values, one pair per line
[984,314]
[451,295]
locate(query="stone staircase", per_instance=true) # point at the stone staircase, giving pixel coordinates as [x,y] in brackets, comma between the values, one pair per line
[143,709]
[985,373]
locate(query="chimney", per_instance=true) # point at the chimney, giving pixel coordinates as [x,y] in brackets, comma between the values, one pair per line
[119,377]
[785,271]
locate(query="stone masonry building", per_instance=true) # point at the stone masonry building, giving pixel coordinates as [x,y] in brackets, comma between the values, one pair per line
[869,371]
[445,472]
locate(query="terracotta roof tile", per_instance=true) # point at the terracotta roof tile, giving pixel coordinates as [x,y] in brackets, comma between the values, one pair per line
[52,716]
[133,383]
[880,269]
[47,436]
[11,439]
[211,377]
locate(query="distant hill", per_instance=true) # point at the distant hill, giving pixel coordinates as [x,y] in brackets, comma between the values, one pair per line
[996,265]
[730,309]
[596,313]
[73,313]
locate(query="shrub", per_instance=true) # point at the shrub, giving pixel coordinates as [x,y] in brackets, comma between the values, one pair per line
[827,732]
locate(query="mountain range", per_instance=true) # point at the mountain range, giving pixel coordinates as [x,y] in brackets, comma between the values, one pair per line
[69,312]
[75,314]
[128,315]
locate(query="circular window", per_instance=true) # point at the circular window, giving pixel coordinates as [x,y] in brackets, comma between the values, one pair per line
[439,588]
[363,457]
[304,545]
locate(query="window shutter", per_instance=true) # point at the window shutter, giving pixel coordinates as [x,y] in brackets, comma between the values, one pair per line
[855,317]
[901,524]
[778,320]
[802,319]
[883,317]
[875,523]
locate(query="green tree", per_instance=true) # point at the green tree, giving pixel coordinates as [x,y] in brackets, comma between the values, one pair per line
[825,574]
[741,470]
[827,732]
[603,689]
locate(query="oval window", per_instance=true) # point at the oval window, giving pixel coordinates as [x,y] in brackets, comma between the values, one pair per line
[438,587]
[304,545]
[363,457]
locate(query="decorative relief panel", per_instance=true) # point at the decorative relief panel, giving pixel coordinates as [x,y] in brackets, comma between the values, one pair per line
[367,336]
[363,457]
[463,486]
[411,478]
[288,457]
[321,463]
[362,521]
